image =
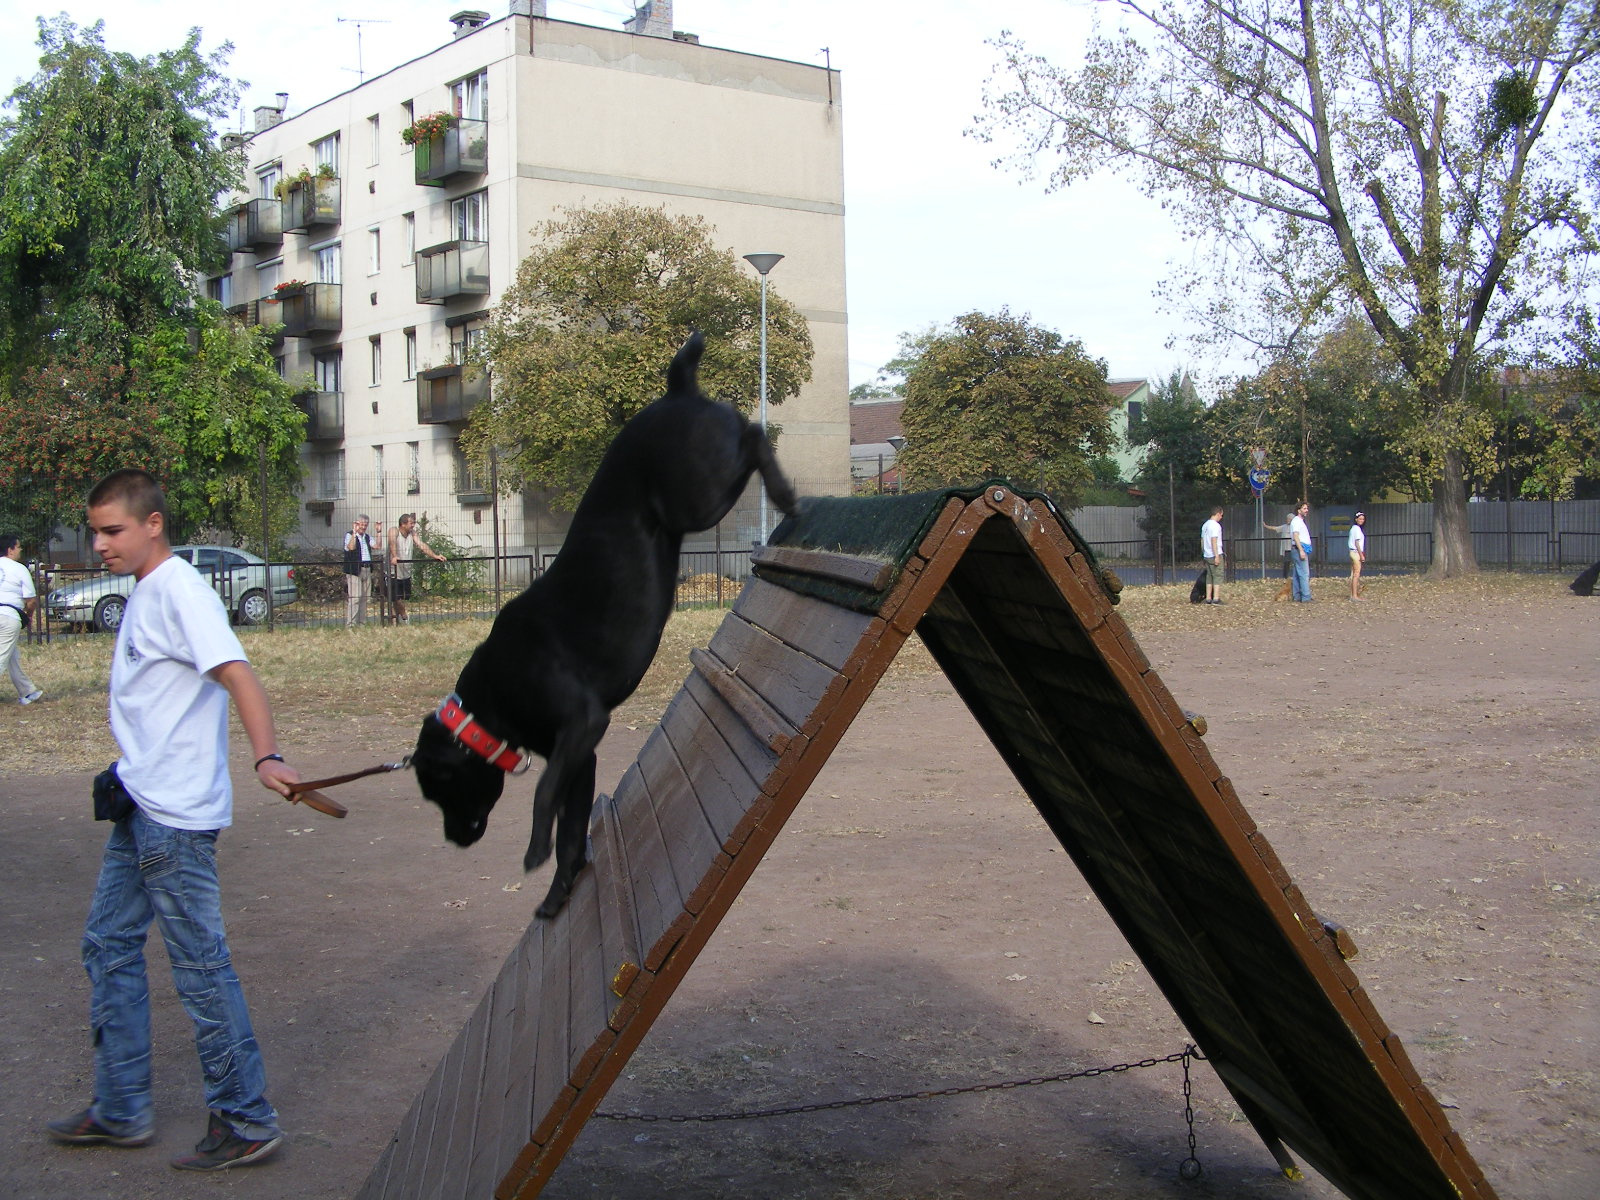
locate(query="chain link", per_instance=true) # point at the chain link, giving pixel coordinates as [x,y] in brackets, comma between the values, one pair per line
[1183,1056]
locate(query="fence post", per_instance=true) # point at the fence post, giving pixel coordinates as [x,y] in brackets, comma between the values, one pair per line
[266,537]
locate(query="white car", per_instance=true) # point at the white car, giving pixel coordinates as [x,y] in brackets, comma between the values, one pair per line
[239,577]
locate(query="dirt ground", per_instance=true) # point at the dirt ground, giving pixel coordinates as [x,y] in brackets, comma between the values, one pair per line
[1427,774]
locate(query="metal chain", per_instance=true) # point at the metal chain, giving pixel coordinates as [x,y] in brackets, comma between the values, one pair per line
[1183,1056]
[1190,1167]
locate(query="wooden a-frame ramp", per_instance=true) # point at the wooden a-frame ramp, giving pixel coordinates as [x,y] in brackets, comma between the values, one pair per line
[1012,606]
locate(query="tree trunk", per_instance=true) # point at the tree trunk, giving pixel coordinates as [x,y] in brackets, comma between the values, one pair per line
[1452,536]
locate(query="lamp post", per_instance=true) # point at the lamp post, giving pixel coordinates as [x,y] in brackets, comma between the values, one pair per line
[763,262]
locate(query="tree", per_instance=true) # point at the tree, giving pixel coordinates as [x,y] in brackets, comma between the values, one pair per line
[581,340]
[994,394]
[222,403]
[1422,160]
[1179,475]
[109,173]
[67,425]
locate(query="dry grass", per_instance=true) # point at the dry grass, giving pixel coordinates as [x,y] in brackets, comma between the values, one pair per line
[397,674]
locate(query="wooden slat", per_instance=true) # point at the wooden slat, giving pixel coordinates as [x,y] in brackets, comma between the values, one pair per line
[791,682]
[550,1063]
[589,997]
[764,721]
[657,900]
[824,631]
[721,784]
[692,844]
[755,755]
[487,1165]
[868,574]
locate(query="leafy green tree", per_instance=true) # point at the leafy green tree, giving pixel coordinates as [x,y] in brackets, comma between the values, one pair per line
[68,423]
[1423,162]
[109,174]
[1180,473]
[221,402]
[581,340]
[994,394]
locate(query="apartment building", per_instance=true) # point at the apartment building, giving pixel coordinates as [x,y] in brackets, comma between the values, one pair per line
[381,258]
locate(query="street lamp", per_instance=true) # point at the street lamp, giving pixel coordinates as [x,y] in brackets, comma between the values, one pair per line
[763,263]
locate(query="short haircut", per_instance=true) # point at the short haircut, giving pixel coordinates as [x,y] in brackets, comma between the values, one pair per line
[135,490]
[364,517]
[1217,510]
[7,540]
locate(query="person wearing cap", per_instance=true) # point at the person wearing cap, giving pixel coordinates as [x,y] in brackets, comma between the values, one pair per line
[1358,553]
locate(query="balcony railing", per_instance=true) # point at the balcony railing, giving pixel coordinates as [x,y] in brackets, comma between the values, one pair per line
[446,394]
[308,309]
[257,312]
[452,269]
[324,415]
[463,149]
[255,225]
[310,203]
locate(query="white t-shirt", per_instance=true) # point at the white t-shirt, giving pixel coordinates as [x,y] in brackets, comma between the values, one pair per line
[1211,536]
[169,718]
[402,555]
[1358,539]
[16,582]
[1298,531]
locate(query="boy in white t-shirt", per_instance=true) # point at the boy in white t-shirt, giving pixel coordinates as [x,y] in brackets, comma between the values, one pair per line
[176,665]
[1211,551]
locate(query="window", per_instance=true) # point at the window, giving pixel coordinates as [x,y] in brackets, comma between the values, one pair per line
[411,354]
[375,353]
[466,481]
[330,475]
[281,367]
[220,289]
[413,468]
[267,178]
[469,217]
[374,251]
[372,140]
[469,97]
[328,369]
[410,220]
[465,339]
[377,470]
[326,153]
[325,263]
[268,276]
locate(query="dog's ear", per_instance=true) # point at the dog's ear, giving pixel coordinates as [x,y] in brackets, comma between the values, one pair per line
[683,374]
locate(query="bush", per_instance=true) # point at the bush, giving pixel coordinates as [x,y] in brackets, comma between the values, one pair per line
[452,578]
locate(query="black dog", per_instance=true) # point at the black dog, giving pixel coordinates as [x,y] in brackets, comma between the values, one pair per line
[576,643]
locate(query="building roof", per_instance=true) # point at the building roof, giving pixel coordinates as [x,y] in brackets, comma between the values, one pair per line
[874,421]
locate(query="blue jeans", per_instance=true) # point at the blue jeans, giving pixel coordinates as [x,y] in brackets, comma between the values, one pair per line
[1302,575]
[154,872]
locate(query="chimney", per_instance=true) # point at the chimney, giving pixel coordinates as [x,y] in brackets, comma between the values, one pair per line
[467,21]
[653,18]
[268,115]
[527,8]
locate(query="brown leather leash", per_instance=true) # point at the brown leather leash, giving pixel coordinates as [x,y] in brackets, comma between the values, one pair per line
[307,790]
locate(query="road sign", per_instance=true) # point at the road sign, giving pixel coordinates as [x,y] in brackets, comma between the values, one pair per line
[1259,478]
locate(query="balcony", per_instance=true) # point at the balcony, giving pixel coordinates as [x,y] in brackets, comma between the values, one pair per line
[462,149]
[308,308]
[261,313]
[446,394]
[309,203]
[254,225]
[324,415]
[452,269]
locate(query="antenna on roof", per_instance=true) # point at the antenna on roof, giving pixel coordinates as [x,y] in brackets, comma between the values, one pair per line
[358,22]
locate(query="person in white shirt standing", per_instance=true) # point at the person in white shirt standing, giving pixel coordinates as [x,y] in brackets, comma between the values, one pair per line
[1358,553]
[1211,551]
[17,602]
[1300,536]
[175,666]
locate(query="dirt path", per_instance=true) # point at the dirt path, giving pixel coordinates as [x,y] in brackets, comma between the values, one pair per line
[1429,783]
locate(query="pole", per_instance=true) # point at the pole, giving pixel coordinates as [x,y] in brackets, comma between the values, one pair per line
[266,534]
[764,398]
[494,503]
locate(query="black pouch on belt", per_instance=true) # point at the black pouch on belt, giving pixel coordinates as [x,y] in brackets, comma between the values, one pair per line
[111,799]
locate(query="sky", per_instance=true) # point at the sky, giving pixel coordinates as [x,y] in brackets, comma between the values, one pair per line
[932,229]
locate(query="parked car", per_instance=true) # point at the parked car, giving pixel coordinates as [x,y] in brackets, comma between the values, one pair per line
[240,579]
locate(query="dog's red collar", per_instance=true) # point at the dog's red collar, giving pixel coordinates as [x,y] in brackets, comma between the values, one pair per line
[466,730]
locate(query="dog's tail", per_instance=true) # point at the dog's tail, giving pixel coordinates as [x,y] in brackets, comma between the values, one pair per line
[683,374]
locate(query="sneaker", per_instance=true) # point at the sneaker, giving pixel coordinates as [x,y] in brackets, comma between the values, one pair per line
[83,1130]
[222,1148]
[36,694]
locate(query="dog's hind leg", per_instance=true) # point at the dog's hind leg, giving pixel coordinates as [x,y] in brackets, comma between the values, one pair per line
[779,490]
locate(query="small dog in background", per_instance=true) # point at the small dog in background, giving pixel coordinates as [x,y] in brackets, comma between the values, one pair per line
[576,643]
